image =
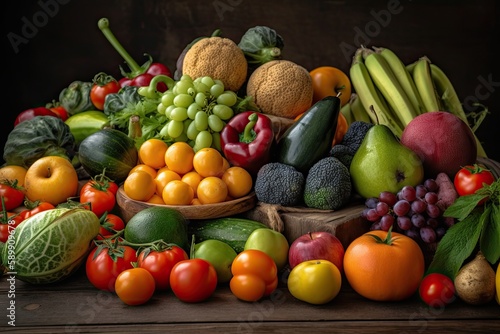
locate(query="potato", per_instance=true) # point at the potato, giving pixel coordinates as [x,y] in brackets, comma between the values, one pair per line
[475,282]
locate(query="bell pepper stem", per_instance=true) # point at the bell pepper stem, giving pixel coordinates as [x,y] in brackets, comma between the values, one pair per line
[249,134]
[151,91]
[103,25]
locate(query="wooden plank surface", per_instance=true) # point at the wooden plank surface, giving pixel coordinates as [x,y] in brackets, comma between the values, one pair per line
[75,305]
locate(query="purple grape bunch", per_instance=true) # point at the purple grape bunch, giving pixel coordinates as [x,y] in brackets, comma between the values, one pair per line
[413,211]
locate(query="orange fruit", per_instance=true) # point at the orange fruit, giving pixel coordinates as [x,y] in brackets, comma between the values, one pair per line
[177,192]
[238,180]
[179,157]
[212,190]
[163,177]
[152,153]
[193,179]
[145,168]
[208,162]
[156,199]
[139,185]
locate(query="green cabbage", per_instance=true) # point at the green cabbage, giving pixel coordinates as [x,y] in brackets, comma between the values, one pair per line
[261,44]
[38,137]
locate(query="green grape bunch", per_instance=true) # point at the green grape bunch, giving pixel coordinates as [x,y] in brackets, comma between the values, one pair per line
[197,111]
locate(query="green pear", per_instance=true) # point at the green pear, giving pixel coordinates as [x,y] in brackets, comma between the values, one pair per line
[382,163]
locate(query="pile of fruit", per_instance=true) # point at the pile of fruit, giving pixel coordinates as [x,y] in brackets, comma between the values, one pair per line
[398,141]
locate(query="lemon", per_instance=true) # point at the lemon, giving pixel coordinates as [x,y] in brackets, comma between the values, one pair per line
[155,223]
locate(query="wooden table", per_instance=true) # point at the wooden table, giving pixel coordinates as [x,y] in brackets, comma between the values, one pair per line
[75,305]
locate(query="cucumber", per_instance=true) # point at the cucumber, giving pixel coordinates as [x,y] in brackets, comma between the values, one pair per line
[231,230]
[310,138]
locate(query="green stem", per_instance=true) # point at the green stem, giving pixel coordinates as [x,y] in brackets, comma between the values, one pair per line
[249,134]
[103,25]
[151,91]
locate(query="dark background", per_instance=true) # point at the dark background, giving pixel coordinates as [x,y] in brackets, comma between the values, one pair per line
[66,44]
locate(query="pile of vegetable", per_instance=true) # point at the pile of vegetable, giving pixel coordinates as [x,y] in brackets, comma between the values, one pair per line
[215,124]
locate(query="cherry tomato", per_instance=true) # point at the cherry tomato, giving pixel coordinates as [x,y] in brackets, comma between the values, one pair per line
[59,110]
[437,290]
[99,196]
[135,286]
[35,207]
[259,265]
[193,280]
[160,263]
[103,85]
[471,178]
[105,264]
[110,224]
[11,195]
[8,222]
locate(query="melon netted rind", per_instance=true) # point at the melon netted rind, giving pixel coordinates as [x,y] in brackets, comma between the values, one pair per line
[219,58]
[51,245]
[281,88]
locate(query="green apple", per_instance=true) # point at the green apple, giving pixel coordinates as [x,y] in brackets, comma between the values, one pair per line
[382,163]
[271,242]
[219,254]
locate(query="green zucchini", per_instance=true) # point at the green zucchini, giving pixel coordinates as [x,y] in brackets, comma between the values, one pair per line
[310,138]
[232,230]
[110,150]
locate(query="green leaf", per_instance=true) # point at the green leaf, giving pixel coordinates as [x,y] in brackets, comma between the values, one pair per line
[457,245]
[490,236]
[463,206]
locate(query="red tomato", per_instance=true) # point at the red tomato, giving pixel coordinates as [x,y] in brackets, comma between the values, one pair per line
[36,207]
[193,280]
[33,112]
[8,222]
[99,196]
[103,85]
[105,264]
[160,263]
[135,286]
[60,112]
[110,224]
[437,290]
[11,195]
[471,178]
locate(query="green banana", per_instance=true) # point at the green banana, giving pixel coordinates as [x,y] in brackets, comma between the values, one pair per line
[385,80]
[359,112]
[369,96]
[403,76]
[425,85]
[347,112]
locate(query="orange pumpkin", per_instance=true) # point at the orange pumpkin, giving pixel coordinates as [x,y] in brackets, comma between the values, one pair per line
[384,266]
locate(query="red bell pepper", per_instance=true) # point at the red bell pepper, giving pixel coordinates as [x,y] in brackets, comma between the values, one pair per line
[140,75]
[33,112]
[246,140]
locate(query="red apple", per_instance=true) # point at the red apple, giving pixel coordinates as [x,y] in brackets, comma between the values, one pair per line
[319,245]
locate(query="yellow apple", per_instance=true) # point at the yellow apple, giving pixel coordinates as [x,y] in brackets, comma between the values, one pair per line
[51,179]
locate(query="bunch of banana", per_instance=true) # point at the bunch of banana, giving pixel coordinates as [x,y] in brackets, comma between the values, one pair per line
[391,93]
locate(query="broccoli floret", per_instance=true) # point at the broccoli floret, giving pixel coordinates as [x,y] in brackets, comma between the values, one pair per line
[343,153]
[278,183]
[355,134]
[328,185]
[345,150]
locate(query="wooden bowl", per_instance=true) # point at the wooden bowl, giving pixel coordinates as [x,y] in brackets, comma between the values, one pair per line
[128,207]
